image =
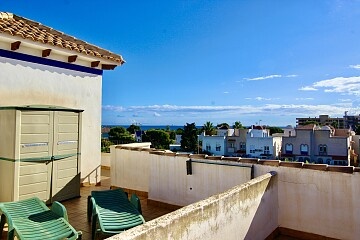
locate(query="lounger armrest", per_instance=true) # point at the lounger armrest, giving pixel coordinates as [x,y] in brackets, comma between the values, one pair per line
[134,200]
[59,210]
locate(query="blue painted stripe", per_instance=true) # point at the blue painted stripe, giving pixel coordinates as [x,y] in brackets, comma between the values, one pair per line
[49,62]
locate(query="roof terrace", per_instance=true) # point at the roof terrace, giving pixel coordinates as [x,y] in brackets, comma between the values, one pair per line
[220,198]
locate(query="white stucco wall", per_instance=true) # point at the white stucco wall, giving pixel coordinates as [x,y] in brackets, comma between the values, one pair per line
[319,202]
[170,183]
[165,178]
[130,169]
[247,211]
[212,141]
[23,83]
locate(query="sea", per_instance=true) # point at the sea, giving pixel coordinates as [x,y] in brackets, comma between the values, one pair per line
[147,127]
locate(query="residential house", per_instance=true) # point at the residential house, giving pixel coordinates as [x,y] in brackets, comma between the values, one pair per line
[320,145]
[42,66]
[259,143]
[236,143]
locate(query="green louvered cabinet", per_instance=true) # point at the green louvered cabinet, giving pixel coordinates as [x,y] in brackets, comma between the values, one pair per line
[39,153]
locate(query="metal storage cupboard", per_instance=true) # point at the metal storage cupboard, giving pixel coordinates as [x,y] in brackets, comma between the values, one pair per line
[39,153]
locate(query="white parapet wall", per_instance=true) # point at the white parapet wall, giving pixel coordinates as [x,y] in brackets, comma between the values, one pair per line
[164,176]
[246,211]
[325,203]
[129,166]
[316,199]
[170,183]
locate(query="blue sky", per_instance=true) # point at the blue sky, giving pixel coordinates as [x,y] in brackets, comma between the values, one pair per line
[218,61]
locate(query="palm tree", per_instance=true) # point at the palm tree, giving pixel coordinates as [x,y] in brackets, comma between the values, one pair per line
[208,128]
[238,125]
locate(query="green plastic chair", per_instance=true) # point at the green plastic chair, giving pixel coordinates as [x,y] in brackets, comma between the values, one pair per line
[32,219]
[111,212]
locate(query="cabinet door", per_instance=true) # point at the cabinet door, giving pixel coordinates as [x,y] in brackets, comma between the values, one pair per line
[36,146]
[66,174]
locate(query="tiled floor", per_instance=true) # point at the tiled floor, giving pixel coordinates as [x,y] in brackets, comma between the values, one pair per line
[77,208]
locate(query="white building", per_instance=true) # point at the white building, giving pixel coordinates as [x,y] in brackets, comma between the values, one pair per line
[42,66]
[214,144]
[259,144]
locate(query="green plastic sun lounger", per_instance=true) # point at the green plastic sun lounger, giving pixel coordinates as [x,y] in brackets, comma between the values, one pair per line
[111,212]
[32,219]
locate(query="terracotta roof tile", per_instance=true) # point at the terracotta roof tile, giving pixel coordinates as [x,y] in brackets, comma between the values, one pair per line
[28,29]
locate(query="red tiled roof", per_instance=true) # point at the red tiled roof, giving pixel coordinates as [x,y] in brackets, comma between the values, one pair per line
[28,29]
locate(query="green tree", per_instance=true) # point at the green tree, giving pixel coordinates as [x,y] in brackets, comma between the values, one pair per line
[133,128]
[310,122]
[105,145]
[209,128]
[357,129]
[238,125]
[223,126]
[120,135]
[179,131]
[335,124]
[189,138]
[159,139]
[275,130]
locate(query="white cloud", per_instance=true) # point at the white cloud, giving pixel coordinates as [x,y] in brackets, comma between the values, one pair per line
[175,114]
[307,88]
[302,99]
[357,66]
[113,108]
[270,77]
[345,100]
[344,85]
[225,92]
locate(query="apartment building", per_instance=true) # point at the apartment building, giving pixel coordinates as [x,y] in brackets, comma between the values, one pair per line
[345,122]
[317,144]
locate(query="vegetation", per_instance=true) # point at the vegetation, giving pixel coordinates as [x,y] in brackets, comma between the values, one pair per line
[189,138]
[335,124]
[133,128]
[105,145]
[209,128]
[275,130]
[357,129]
[238,125]
[223,126]
[120,135]
[179,131]
[310,122]
[159,139]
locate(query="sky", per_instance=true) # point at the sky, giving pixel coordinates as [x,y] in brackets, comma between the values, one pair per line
[257,62]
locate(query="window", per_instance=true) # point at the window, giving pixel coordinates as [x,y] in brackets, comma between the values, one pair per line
[304,149]
[208,147]
[266,150]
[218,147]
[322,149]
[252,149]
[232,145]
[288,148]
[243,146]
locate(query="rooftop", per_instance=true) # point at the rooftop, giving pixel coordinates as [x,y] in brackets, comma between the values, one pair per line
[76,208]
[23,28]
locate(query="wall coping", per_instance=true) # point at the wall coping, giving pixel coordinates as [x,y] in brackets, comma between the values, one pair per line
[275,163]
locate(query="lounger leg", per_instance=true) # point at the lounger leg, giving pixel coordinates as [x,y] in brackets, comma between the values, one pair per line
[11,234]
[89,208]
[2,224]
[93,227]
